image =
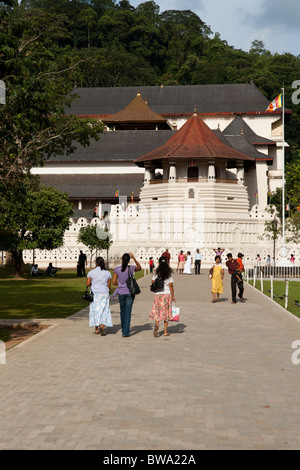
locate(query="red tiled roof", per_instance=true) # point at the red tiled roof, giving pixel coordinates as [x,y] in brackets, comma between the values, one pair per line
[194,140]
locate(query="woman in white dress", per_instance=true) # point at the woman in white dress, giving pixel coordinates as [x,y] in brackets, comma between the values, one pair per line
[188,264]
[99,280]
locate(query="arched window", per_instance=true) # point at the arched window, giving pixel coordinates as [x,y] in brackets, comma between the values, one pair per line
[191,194]
[193,173]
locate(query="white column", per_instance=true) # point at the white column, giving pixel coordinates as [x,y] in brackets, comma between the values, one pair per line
[147,176]
[211,172]
[240,174]
[172,172]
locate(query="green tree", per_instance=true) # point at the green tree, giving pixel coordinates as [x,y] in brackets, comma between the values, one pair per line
[273,229]
[95,238]
[33,123]
[33,218]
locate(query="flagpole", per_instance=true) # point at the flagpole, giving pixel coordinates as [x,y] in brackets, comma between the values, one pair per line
[283,261]
[283,176]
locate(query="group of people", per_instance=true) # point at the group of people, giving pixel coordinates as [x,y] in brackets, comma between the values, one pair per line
[100,281]
[235,269]
[50,270]
[184,264]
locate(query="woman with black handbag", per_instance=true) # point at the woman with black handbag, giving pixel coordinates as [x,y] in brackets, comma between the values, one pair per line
[164,296]
[99,281]
[126,298]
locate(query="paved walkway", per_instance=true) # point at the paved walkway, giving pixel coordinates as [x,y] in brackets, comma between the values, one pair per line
[224,379]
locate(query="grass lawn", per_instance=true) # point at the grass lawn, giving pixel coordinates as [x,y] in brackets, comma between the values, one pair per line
[46,297]
[279,291]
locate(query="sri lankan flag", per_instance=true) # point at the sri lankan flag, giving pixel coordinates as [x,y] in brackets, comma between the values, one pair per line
[277,103]
[117,193]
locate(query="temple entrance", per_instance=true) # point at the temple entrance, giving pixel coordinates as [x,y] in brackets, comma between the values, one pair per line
[193,174]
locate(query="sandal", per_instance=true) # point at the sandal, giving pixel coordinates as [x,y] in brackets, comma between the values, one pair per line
[102,331]
[96,332]
[166,334]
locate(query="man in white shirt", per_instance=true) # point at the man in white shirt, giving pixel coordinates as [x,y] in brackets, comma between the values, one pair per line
[198,259]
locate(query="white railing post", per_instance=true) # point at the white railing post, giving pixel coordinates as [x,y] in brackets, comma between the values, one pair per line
[272,291]
[286,294]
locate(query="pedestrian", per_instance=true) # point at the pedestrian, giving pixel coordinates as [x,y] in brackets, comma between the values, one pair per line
[78,268]
[162,305]
[219,252]
[198,259]
[241,268]
[99,281]
[181,260]
[233,268]
[258,262]
[292,259]
[268,261]
[82,262]
[217,279]
[167,255]
[188,263]
[126,299]
[151,265]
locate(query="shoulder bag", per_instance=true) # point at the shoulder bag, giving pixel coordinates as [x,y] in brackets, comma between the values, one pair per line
[132,284]
[157,285]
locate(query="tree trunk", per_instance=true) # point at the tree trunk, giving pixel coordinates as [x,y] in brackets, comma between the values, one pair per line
[17,257]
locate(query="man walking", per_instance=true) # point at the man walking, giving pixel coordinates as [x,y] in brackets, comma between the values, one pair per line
[234,271]
[167,255]
[198,259]
[81,263]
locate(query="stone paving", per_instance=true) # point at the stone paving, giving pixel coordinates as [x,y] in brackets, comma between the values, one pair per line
[223,379]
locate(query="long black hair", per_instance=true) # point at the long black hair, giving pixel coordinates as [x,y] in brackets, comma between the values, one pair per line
[125,261]
[163,271]
[101,263]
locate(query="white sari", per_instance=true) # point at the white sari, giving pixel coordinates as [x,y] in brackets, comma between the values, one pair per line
[188,265]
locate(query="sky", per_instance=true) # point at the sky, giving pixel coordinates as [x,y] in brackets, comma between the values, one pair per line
[239,22]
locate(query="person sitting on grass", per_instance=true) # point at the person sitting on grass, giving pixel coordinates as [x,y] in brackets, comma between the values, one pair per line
[35,271]
[51,271]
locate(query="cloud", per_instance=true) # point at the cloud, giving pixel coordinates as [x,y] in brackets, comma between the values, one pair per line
[276,13]
[193,5]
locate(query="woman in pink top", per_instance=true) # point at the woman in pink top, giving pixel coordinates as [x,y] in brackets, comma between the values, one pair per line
[181,260]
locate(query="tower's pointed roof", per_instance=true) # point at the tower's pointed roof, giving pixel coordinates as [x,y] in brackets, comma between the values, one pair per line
[196,141]
[136,114]
[239,127]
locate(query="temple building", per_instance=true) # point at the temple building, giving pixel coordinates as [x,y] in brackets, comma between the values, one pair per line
[194,165]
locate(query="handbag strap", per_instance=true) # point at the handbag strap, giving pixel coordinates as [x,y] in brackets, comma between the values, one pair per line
[130,275]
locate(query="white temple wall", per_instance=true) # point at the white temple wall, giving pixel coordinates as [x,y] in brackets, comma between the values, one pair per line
[230,236]
[90,168]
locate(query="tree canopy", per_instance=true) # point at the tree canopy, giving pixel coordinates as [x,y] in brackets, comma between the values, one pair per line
[32,218]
